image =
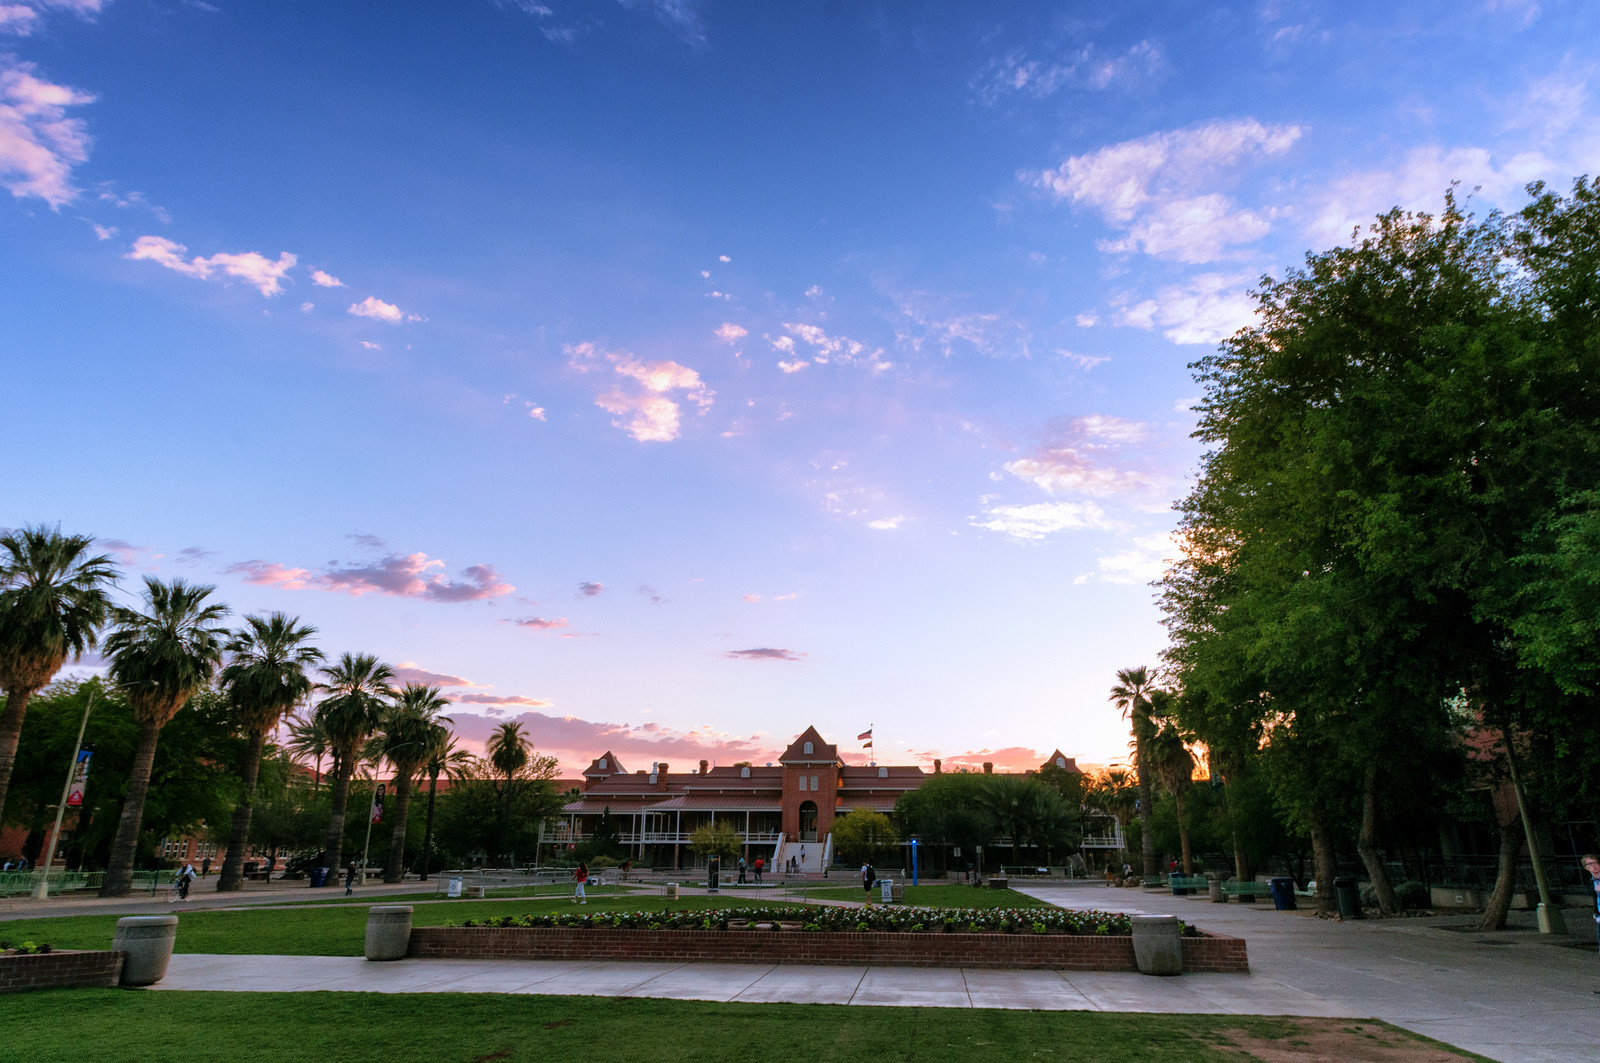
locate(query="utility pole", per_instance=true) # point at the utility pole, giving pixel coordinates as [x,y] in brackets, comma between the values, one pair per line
[42,890]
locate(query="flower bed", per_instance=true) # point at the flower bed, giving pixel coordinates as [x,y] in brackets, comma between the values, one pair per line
[47,968]
[910,937]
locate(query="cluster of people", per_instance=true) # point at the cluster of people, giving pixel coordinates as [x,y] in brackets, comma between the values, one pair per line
[19,864]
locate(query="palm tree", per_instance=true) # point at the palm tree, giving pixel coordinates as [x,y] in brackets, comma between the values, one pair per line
[443,758]
[1131,695]
[407,733]
[508,753]
[162,657]
[1173,764]
[309,738]
[52,604]
[357,688]
[265,679]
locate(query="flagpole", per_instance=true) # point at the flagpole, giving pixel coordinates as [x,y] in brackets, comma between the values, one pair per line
[42,890]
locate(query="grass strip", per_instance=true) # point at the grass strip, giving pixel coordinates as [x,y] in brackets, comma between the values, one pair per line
[941,896]
[71,1026]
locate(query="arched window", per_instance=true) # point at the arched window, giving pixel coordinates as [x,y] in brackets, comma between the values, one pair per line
[807,748]
[602,763]
[813,782]
[883,773]
[744,773]
[1061,762]
[652,778]
[802,782]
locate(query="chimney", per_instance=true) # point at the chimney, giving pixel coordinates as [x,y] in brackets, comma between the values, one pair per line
[938,765]
[988,767]
[704,766]
[661,776]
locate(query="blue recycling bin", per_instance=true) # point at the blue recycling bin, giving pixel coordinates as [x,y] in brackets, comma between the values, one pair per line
[1174,880]
[1282,893]
[318,876]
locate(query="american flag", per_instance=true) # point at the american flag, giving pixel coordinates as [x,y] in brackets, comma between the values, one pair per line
[865,736]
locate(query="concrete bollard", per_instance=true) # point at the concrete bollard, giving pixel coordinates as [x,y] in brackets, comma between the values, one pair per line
[147,942]
[1157,948]
[388,931]
[1217,894]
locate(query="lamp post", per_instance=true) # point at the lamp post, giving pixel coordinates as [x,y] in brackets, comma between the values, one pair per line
[913,859]
[41,891]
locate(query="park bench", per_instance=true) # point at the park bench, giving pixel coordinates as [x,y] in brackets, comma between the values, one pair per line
[1252,890]
[1182,884]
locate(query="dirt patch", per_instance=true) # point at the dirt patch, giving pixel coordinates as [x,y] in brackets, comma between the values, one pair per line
[1341,1040]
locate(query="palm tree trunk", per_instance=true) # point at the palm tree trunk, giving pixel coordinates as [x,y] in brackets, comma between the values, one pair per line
[1367,842]
[397,841]
[118,880]
[1241,863]
[341,798]
[1147,838]
[1323,861]
[10,733]
[427,831]
[232,874]
[1183,837]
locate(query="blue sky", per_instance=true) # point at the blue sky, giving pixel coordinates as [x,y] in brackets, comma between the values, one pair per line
[673,374]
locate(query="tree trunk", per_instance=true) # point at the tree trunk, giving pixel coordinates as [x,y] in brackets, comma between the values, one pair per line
[118,880]
[1241,863]
[10,733]
[1183,837]
[427,830]
[1512,836]
[397,841]
[335,845]
[1322,859]
[232,875]
[1147,840]
[1367,842]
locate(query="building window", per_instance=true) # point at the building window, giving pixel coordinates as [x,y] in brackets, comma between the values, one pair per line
[1061,762]
[802,782]
[813,782]
[744,773]
[807,748]
[602,763]
[883,773]
[652,779]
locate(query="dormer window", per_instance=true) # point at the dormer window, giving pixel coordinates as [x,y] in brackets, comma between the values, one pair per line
[744,773]
[1061,762]
[883,773]
[807,749]
[652,778]
[602,763]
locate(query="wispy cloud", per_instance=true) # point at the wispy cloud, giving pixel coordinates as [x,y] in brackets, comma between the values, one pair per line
[538,623]
[262,273]
[764,653]
[378,310]
[1207,308]
[1018,74]
[1039,520]
[588,589]
[1080,457]
[647,411]
[576,741]
[1159,188]
[826,349]
[398,575]
[130,555]
[728,332]
[39,143]
[325,280]
[411,672]
[504,699]
[1142,560]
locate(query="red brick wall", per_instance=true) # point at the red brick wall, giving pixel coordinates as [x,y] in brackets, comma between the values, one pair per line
[59,970]
[1066,952]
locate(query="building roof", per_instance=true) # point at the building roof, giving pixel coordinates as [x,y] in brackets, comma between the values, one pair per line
[703,802]
[821,752]
[1057,760]
[606,764]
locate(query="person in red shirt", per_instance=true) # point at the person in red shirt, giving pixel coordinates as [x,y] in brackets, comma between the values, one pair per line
[580,876]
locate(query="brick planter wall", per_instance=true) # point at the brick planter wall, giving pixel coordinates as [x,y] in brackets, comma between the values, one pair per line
[1061,951]
[62,969]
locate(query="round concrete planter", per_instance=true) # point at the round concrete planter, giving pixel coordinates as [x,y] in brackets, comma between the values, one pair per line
[1215,886]
[1157,948]
[388,931]
[147,942]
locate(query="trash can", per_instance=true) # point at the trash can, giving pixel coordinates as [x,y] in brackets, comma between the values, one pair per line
[1175,880]
[1282,889]
[1344,888]
[318,876]
[1214,885]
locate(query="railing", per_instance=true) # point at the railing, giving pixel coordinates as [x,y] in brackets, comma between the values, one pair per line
[659,837]
[1114,840]
[16,882]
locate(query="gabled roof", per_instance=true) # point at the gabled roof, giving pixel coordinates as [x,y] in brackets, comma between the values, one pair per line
[822,752]
[1057,760]
[605,764]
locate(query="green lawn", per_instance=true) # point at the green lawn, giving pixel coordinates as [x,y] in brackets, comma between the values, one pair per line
[144,1027]
[941,896]
[313,930]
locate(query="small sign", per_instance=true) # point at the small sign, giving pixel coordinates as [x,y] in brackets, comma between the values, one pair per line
[886,890]
[377,804]
[80,778]
[455,888]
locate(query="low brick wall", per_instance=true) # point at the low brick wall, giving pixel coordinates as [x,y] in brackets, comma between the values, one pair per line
[62,969]
[1061,951]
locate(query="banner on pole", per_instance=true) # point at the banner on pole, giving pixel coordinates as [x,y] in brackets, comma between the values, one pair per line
[80,779]
[377,804]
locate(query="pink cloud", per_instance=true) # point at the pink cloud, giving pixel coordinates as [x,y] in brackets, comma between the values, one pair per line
[130,555]
[503,699]
[1011,758]
[1078,458]
[411,672]
[400,575]
[649,415]
[537,623]
[255,269]
[589,590]
[39,144]
[765,653]
[576,742]
[272,574]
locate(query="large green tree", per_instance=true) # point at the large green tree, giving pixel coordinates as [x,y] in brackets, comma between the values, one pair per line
[162,656]
[53,602]
[406,737]
[266,676]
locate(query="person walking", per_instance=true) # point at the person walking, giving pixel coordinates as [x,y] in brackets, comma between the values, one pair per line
[1591,864]
[868,877]
[760,864]
[205,867]
[580,876]
[350,878]
[741,871]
